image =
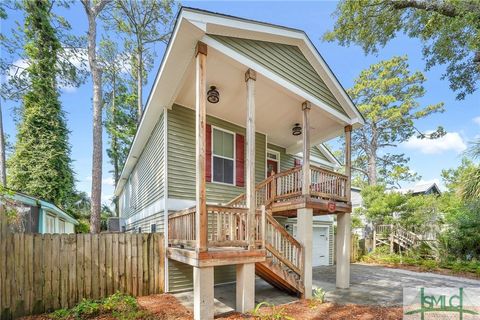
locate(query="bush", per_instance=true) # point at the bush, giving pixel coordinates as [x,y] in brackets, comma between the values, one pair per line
[118,305]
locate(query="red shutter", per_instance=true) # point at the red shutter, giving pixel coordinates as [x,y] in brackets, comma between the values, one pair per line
[297,163]
[240,160]
[208,153]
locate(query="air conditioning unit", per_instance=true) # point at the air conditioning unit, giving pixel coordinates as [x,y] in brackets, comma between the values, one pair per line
[115,224]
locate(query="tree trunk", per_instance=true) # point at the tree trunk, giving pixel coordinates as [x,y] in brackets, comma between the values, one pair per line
[96,196]
[116,169]
[3,171]
[139,82]
[372,169]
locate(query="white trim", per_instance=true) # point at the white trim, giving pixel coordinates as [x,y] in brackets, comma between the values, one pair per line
[267,150]
[165,193]
[213,127]
[327,153]
[154,208]
[335,114]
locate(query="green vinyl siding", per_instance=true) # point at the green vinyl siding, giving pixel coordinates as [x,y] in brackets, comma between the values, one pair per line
[180,275]
[181,157]
[146,223]
[287,161]
[287,61]
[145,184]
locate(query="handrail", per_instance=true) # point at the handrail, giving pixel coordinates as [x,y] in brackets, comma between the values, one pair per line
[325,184]
[282,247]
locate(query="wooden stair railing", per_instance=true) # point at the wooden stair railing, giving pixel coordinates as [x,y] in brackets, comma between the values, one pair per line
[283,267]
[325,184]
[386,234]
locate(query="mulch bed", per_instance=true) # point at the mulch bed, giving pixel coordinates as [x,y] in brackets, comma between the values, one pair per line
[167,307]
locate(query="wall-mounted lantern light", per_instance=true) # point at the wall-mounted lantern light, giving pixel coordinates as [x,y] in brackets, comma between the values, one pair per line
[212,95]
[297,130]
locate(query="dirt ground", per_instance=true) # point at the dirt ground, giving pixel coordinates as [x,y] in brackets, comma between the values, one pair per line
[167,307]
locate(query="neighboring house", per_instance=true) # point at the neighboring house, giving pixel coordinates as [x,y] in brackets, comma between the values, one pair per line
[420,189]
[39,216]
[229,181]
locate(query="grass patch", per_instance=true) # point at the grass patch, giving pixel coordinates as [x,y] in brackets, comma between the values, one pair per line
[120,306]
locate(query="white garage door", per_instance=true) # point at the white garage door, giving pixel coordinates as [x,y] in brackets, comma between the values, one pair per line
[320,246]
[320,250]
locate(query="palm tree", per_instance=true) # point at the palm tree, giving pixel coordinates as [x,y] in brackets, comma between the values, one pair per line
[471,185]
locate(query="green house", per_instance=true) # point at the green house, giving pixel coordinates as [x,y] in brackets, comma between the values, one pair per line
[39,216]
[229,162]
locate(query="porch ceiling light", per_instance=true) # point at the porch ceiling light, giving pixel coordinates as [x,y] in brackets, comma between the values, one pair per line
[212,95]
[297,130]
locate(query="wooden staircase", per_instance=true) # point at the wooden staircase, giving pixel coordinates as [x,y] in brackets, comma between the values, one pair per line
[283,266]
[277,255]
[392,235]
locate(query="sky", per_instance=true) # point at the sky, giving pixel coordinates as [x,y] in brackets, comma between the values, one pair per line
[461,119]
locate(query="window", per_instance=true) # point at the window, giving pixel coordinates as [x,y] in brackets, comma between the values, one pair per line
[223,156]
[61,226]
[139,229]
[153,228]
[49,224]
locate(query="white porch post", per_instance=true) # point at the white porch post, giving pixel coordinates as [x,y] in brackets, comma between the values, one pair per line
[305,215]
[203,300]
[343,224]
[246,272]
[203,295]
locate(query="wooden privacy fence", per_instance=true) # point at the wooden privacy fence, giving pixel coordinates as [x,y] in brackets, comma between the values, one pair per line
[41,273]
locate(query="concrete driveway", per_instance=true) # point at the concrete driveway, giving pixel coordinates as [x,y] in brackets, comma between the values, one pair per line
[381,286]
[368,285]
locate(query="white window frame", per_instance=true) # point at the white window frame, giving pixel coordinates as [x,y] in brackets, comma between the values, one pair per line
[60,221]
[234,157]
[276,160]
[47,217]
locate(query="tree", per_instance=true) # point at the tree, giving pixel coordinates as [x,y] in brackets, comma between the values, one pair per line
[41,163]
[386,94]
[470,187]
[449,31]
[143,22]
[93,9]
[121,111]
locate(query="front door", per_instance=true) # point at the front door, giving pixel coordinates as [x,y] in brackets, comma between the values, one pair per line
[272,166]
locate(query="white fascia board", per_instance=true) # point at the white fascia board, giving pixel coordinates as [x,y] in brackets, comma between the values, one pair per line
[334,114]
[327,153]
[308,49]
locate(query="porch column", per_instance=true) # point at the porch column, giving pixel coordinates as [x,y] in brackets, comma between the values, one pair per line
[246,272]
[245,287]
[305,237]
[203,293]
[348,161]
[250,78]
[200,150]
[306,106]
[343,237]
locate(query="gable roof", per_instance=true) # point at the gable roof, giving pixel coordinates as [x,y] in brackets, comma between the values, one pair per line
[193,25]
[287,61]
[424,188]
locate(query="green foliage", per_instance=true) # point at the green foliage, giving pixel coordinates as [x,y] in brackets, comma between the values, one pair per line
[273,313]
[120,306]
[319,295]
[41,164]
[387,95]
[449,31]
[412,258]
